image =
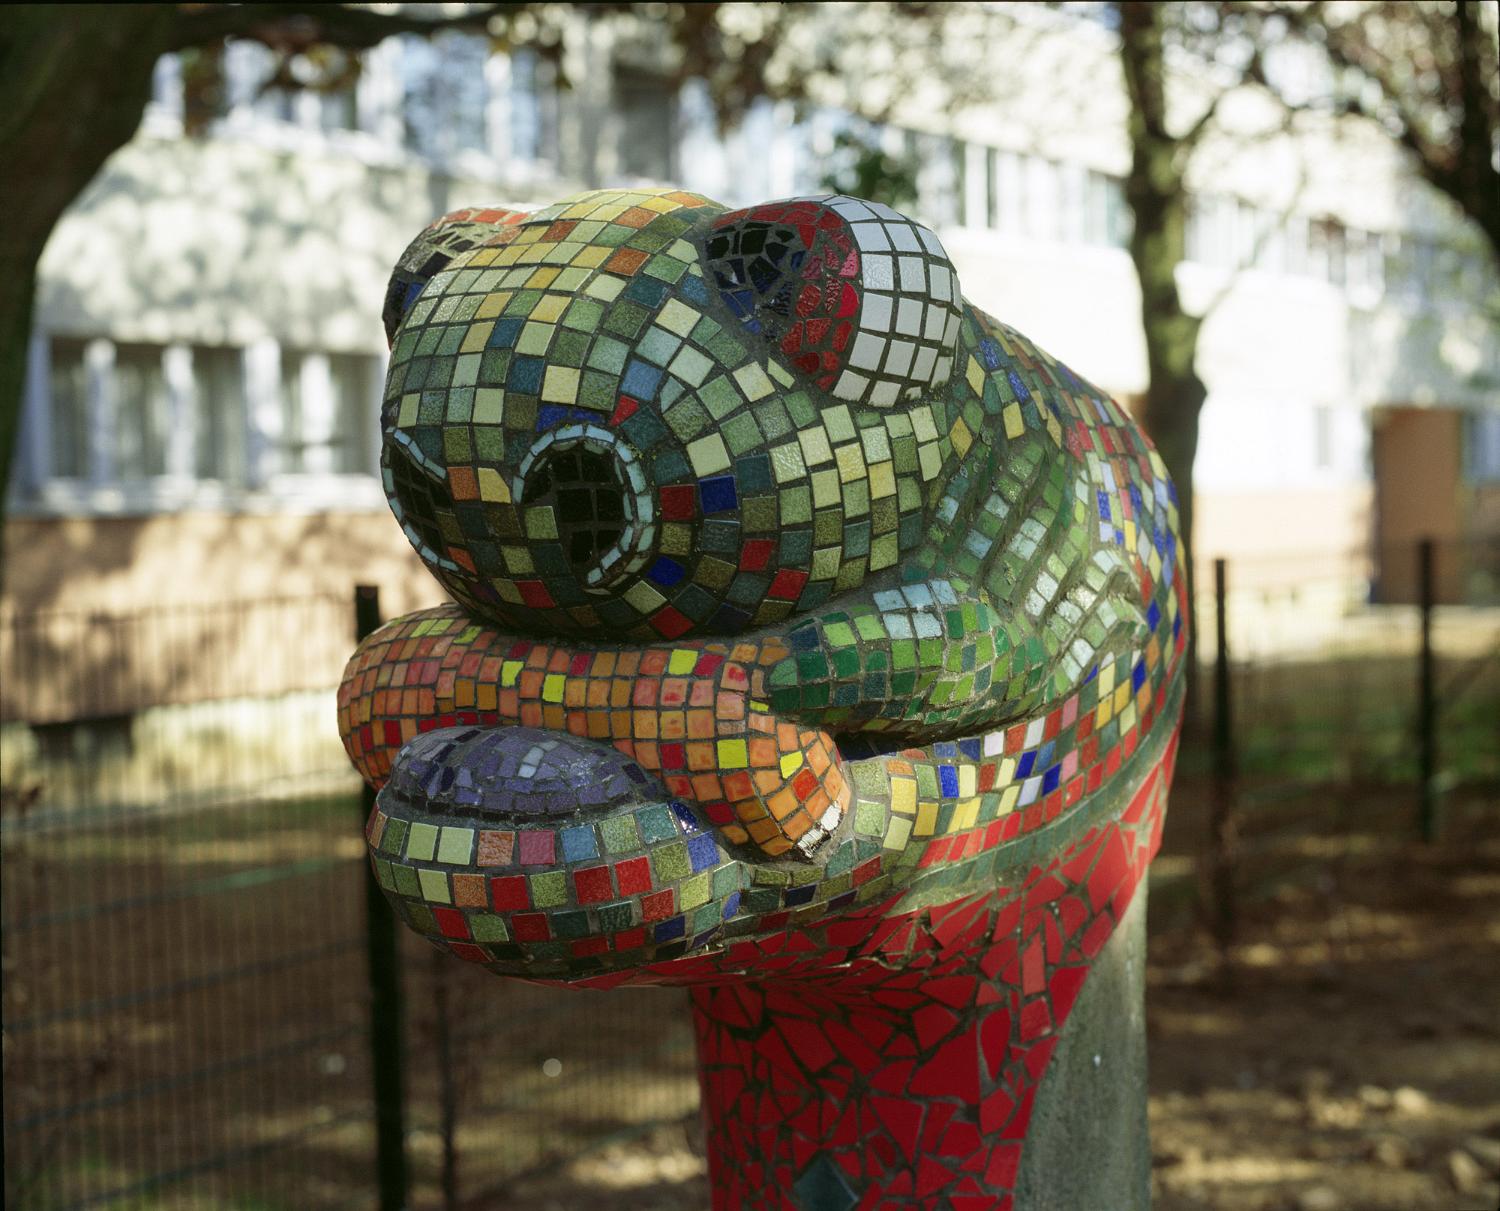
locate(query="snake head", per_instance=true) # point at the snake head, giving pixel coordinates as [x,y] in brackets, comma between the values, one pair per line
[785,582]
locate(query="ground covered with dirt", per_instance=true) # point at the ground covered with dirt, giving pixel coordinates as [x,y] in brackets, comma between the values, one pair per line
[1346,1057]
[1349,1055]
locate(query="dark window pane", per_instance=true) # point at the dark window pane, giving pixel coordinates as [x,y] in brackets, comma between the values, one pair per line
[219,436]
[647,110]
[70,409]
[141,413]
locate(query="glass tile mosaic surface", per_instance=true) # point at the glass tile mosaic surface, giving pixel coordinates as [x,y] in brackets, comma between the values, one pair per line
[810,630]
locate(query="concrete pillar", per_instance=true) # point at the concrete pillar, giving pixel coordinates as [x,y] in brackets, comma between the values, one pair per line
[990,1050]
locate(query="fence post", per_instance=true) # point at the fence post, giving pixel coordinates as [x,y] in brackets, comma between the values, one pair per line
[1427,753]
[1222,825]
[442,1030]
[385,991]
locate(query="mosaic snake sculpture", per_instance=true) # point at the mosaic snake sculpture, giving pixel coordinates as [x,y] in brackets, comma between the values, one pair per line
[815,642]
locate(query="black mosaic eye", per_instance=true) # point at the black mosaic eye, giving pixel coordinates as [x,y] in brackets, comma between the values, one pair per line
[587,498]
[586,512]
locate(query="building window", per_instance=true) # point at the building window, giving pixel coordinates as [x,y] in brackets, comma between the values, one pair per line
[355,391]
[1410,265]
[1270,242]
[446,93]
[1249,230]
[149,422]
[533,108]
[977,185]
[1322,436]
[991,190]
[1121,218]
[525,107]
[327,413]
[1194,237]
[1327,251]
[299,438]
[969,214]
[1460,272]
[1072,203]
[142,413]
[221,429]
[317,89]
[938,160]
[647,112]
[1296,246]
[1366,262]
[1212,236]
[1042,198]
[166,84]
[248,68]
[1097,227]
[1010,193]
[337,99]
[69,381]
[1482,447]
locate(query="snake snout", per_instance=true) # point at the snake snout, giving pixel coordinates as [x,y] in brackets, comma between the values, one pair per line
[517,774]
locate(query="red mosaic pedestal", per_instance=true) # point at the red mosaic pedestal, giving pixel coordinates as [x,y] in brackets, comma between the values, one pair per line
[906,1077]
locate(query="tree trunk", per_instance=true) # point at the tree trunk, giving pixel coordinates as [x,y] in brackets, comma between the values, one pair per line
[1155,190]
[75,80]
[1478,184]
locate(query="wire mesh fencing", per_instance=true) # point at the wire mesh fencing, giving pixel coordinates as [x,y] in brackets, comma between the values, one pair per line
[1342,694]
[187,994]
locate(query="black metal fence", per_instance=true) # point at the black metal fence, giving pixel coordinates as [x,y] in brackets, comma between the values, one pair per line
[193,1003]
[1321,714]
[188,998]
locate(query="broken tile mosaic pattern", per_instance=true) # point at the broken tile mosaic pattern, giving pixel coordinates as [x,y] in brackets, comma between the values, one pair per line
[801,612]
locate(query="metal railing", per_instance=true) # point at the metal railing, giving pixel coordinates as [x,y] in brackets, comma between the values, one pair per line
[1388,720]
[201,992]
[206,1004]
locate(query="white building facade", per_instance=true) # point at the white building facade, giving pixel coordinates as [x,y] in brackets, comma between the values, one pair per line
[201,415]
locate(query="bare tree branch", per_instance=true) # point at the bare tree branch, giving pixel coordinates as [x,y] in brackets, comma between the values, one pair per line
[1452,129]
[1252,73]
[285,26]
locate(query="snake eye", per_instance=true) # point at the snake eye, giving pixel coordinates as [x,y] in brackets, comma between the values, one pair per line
[857,298]
[582,486]
[583,495]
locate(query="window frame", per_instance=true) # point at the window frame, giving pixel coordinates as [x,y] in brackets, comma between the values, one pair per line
[264,487]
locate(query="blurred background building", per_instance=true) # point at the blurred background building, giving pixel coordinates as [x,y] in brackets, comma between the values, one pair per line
[195,494]
[207,359]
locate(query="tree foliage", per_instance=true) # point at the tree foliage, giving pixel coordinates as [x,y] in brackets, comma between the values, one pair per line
[1426,72]
[74,83]
[77,80]
[860,167]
